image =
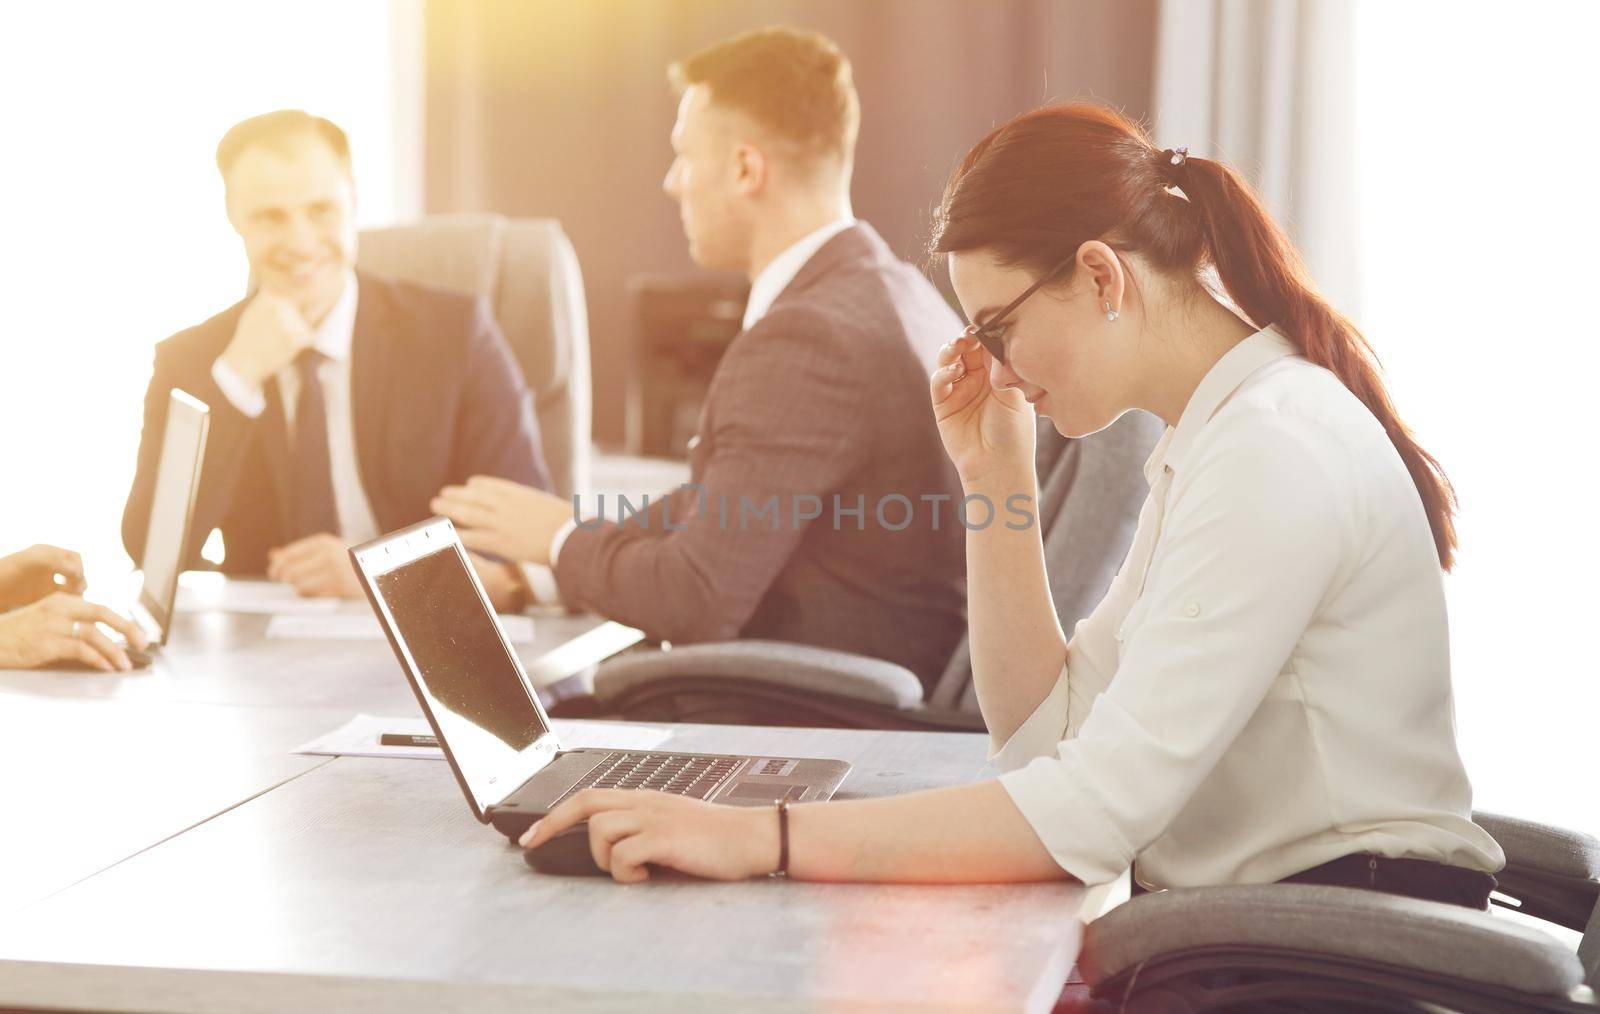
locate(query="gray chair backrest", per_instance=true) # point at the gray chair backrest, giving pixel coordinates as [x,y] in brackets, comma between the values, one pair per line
[1589,950]
[528,271]
[1090,492]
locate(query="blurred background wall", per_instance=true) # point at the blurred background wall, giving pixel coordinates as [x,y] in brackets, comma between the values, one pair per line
[561,109]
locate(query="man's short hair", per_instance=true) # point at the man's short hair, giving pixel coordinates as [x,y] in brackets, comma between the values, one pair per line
[277,130]
[795,84]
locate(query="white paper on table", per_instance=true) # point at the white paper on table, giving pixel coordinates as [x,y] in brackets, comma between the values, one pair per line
[242,595]
[359,737]
[363,626]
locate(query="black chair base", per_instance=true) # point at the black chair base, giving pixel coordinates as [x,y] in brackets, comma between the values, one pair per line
[1236,979]
[714,701]
[1565,901]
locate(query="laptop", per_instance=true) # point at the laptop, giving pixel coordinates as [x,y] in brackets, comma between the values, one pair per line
[183,448]
[494,732]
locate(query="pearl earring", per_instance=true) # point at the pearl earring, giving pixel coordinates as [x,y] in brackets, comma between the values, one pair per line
[1111,315]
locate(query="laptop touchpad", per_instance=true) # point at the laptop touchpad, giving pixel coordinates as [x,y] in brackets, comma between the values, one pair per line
[770,792]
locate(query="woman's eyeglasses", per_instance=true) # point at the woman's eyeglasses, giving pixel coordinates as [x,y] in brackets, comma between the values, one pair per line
[990,333]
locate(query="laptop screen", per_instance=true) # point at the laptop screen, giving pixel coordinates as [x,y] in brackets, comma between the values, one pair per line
[177,477]
[473,687]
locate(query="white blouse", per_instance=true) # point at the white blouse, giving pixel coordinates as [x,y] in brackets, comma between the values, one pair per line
[1266,685]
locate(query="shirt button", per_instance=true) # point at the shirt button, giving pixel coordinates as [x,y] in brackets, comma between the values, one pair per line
[1192,610]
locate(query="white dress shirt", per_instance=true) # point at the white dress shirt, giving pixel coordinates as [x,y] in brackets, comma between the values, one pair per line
[334,338]
[780,271]
[1266,685]
[764,291]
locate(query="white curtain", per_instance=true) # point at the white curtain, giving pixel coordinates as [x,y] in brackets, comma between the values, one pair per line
[1268,86]
[1444,200]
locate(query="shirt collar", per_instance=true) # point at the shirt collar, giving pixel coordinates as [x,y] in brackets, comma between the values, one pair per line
[777,275]
[337,330]
[1225,377]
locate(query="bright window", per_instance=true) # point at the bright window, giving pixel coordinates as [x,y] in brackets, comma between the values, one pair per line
[1478,228]
[113,229]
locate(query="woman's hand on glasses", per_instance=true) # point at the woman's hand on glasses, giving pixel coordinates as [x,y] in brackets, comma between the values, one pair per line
[986,432]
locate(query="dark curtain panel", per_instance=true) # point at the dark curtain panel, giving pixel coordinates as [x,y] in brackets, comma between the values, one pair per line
[561,109]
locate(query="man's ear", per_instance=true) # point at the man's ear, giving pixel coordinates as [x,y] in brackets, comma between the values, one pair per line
[750,170]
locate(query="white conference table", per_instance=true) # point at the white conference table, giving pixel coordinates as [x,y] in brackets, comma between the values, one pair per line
[174,855]
[217,657]
[88,783]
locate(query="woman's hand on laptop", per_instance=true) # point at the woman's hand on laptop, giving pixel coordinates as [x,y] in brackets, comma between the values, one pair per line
[62,628]
[631,827]
[504,518]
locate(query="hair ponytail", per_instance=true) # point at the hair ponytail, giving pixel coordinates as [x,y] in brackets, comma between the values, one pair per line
[1040,185]
[1265,276]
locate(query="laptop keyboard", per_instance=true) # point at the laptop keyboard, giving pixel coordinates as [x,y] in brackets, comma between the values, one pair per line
[680,774]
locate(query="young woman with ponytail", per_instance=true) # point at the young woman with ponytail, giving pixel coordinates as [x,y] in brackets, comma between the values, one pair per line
[1264,692]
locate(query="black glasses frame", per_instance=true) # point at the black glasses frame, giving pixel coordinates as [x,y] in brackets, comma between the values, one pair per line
[985,331]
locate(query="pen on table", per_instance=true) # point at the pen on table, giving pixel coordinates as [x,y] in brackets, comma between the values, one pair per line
[405,739]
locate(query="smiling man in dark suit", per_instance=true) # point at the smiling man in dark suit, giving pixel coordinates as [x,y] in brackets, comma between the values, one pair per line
[340,401]
[818,408]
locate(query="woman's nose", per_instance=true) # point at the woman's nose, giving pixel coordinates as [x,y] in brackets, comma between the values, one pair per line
[1001,376]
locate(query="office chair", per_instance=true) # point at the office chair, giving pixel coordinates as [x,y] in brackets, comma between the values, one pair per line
[528,271]
[1090,492]
[1301,947]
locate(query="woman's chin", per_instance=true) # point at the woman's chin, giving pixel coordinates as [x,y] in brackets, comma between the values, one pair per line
[1073,426]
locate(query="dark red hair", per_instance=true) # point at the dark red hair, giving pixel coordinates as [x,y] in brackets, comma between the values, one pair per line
[1047,181]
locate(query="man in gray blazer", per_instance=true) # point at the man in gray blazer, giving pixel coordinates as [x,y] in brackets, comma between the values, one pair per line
[822,508]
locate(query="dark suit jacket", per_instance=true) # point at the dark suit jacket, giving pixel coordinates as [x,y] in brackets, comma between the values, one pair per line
[826,395]
[435,397]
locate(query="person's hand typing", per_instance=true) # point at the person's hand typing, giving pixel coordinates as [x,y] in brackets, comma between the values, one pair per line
[317,566]
[62,628]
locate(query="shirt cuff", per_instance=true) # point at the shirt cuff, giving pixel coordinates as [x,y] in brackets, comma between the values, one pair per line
[250,401]
[541,581]
[560,539]
[1039,734]
[1053,797]
[1043,773]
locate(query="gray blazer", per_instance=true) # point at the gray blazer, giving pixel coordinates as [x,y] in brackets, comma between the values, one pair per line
[822,403]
